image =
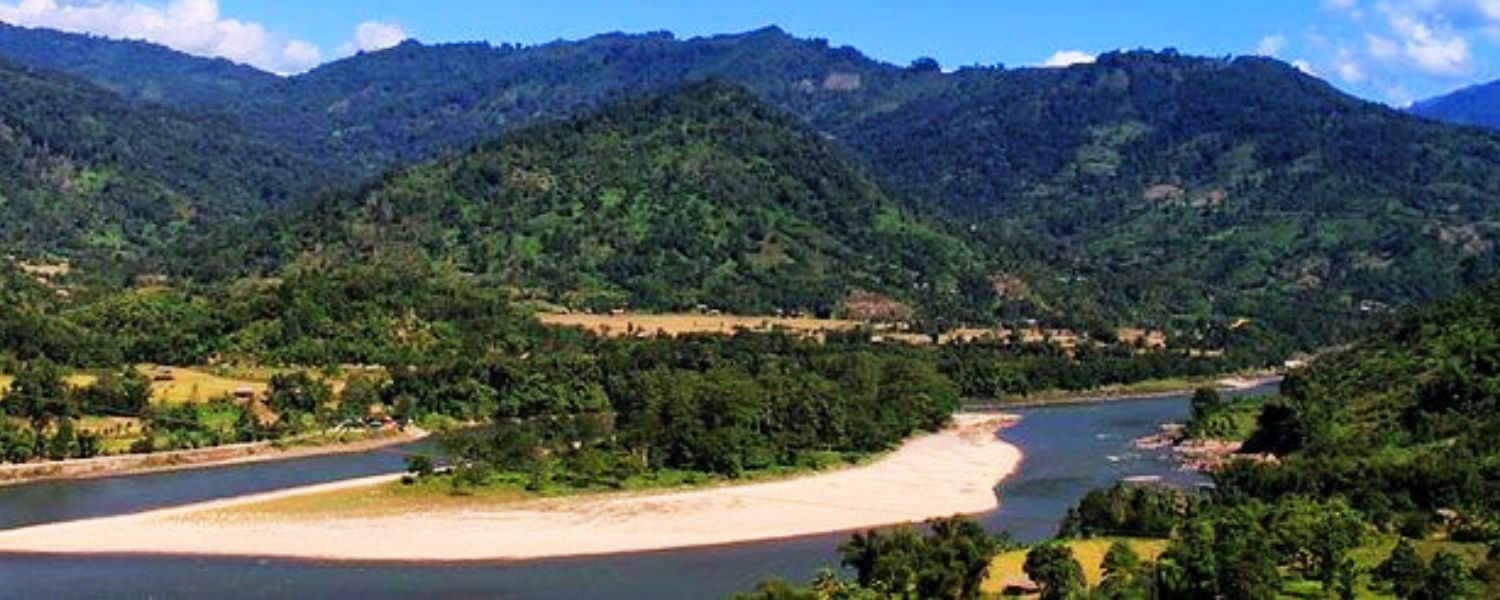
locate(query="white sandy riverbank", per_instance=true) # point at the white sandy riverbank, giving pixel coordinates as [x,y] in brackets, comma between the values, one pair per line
[951,472]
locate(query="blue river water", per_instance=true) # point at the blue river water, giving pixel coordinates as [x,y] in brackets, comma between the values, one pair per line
[1069,450]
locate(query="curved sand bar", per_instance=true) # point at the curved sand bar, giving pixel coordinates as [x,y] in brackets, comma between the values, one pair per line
[950,472]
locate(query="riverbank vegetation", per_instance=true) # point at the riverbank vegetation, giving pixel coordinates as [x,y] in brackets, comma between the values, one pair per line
[403,340]
[1376,476]
[1384,479]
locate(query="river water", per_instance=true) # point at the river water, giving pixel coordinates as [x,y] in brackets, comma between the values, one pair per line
[1069,450]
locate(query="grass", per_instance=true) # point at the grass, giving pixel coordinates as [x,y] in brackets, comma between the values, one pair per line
[685,323]
[116,434]
[194,385]
[439,493]
[1369,556]
[1166,385]
[1009,566]
[186,385]
[376,501]
[75,380]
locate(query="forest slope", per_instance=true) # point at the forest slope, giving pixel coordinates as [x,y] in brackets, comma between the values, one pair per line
[701,196]
[85,174]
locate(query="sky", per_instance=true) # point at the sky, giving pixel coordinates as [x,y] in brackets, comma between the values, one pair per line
[1391,51]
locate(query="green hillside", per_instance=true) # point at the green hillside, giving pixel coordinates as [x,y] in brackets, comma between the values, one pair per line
[86,175]
[1406,421]
[1148,188]
[1195,190]
[703,196]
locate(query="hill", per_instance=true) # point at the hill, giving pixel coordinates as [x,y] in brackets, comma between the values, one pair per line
[703,196]
[1473,105]
[88,175]
[1405,421]
[1148,188]
[1192,190]
[139,71]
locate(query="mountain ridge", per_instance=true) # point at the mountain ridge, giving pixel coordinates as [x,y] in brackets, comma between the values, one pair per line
[1152,188]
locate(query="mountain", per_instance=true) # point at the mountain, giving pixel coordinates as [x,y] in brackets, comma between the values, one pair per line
[88,175]
[700,196]
[413,101]
[135,70]
[1473,105]
[1182,187]
[1146,188]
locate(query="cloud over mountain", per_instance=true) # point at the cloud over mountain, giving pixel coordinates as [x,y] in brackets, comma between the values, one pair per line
[192,26]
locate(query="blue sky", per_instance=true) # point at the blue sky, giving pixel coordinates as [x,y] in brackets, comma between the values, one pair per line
[1392,51]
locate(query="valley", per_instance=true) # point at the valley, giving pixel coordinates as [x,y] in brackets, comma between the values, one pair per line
[744,314]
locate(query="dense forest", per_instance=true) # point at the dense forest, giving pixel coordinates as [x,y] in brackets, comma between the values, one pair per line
[440,348]
[699,197]
[1144,189]
[87,176]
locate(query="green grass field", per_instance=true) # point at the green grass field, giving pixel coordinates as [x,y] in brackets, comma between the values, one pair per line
[1008,567]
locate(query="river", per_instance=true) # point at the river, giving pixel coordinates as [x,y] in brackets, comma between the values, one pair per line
[1069,450]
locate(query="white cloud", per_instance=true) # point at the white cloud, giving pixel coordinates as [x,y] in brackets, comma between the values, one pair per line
[1381,47]
[192,26]
[301,55]
[1397,96]
[1271,45]
[1305,67]
[1351,72]
[1397,50]
[1428,43]
[374,35]
[1063,58]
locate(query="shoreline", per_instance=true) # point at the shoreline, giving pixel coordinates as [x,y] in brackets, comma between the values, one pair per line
[957,471]
[1106,395]
[126,465]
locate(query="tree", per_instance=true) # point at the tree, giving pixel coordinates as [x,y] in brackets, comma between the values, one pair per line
[1126,576]
[1190,567]
[926,64]
[298,393]
[950,562]
[1054,569]
[1205,403]
[123,392]
[1448,578]
[419,465]
[958,557]
[361,392]
[1403,570]
[779,589]
[64,443]
[38,393]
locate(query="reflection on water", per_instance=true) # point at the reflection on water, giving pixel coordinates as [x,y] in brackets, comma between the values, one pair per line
[1069,450]
[52,501]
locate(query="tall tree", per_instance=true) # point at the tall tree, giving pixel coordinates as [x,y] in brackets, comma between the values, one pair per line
[1054,569]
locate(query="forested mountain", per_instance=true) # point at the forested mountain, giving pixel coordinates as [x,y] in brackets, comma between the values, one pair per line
[1147,188]
[1473,105]
[135,70]
[1188,187]
[1405,421]
[85,174]
[701,196]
